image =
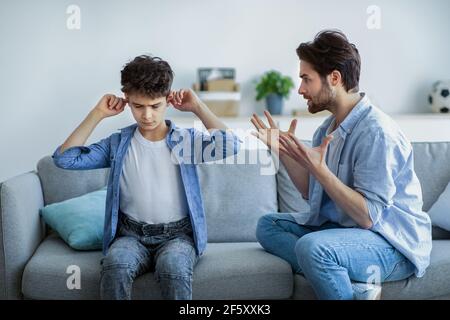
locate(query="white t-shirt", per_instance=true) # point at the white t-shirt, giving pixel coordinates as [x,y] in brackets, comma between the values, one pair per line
[151,188]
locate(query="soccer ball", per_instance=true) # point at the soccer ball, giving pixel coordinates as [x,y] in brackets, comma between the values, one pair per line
[439,98]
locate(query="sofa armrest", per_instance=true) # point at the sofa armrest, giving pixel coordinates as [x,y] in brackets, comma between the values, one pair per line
[21,229]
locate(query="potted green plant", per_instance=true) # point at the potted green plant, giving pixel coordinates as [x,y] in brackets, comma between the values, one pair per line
[274,87]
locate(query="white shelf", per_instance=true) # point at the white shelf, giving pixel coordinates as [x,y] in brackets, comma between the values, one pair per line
[417,127]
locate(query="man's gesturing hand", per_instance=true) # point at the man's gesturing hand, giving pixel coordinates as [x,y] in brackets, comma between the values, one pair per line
[312,159]
[270,136]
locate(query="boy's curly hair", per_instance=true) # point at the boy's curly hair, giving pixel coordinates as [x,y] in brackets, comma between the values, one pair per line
[147,75]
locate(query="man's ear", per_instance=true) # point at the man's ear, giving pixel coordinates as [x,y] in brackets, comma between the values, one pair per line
[335,78]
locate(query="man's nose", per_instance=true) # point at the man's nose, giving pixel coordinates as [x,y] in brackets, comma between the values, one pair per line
[301,90]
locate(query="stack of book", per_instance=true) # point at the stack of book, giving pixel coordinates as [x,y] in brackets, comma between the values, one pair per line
[219,91]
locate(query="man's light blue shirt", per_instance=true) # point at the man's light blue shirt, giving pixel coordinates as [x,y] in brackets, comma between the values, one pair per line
[189,147]
[371,155]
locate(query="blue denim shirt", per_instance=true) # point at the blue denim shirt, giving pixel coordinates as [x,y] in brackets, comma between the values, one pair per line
[189,146]
[371,155]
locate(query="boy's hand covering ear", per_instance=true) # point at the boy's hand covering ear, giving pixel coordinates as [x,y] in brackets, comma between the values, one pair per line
[110,105]
[184,100]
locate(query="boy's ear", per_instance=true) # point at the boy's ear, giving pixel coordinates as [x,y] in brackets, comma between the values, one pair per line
[169,97]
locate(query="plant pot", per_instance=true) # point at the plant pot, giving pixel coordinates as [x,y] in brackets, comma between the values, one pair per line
[274,103]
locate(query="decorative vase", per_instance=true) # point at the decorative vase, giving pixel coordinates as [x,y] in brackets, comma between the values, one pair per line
[274,103]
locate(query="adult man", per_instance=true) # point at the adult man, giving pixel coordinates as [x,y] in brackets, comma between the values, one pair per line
[365,199]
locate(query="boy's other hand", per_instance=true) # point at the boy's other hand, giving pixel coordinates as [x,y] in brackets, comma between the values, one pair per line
[110,105]
[185,100]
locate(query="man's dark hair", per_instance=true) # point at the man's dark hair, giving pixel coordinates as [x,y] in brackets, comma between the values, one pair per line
[146,75]
[331,51]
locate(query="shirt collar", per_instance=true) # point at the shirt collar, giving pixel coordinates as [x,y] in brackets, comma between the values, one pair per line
[130,129]
[352,119]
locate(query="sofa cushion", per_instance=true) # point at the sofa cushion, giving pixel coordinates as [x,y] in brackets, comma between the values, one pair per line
[440,234]
[60,184]
[236,195]
[79,221]
[432,168]
[440,210]
[225,271]
[433,182]
[435,283]
[289,198]
[427,155]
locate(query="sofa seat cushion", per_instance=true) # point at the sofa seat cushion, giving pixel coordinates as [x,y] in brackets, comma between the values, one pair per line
[226,271]
[235,196]
[434,284]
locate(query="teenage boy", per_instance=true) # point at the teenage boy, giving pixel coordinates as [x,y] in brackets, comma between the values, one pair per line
[154,217]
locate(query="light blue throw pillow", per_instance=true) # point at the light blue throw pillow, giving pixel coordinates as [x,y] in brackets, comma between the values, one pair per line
[79,221]
[440,211]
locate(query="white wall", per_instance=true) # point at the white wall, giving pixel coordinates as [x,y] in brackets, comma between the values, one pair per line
[50,76]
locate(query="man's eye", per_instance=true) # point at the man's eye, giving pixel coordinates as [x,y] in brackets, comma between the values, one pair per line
[155,107]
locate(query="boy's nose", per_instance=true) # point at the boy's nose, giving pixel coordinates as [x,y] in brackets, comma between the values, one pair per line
[148,115]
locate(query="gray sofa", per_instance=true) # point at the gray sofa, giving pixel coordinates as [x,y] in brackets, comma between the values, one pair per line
[34,261]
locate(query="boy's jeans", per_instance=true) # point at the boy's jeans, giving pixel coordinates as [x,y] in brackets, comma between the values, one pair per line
[168,249]
[330,256]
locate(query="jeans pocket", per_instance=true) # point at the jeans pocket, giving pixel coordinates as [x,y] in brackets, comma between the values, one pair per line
[402,270]
[285,217]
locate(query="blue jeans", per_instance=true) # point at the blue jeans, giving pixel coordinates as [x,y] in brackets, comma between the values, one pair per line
[331,256]
[166,249]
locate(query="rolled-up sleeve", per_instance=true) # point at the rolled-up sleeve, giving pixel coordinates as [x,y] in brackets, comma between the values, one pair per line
[375,171]
[374,207]
[94,156]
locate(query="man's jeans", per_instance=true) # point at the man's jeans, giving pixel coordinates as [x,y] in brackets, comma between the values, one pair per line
[331,256]
[166,249]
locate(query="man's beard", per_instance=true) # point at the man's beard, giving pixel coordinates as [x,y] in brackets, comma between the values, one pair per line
[323,100]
